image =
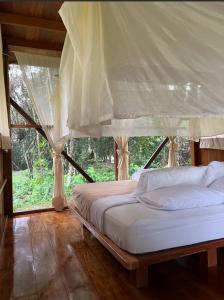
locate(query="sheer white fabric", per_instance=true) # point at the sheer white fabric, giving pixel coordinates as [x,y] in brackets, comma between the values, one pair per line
[172,161]
[123,157]
[40,74]
[213,143]
[4,125]
[147,68]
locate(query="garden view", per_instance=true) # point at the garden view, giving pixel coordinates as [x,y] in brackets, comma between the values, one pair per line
[32,156]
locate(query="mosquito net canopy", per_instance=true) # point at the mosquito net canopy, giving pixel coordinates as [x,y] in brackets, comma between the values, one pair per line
[130,69]
[144,68]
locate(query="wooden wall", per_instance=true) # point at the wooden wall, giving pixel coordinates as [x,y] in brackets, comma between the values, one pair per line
[205,156]
[2,212]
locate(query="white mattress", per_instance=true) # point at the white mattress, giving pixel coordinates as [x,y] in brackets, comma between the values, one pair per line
[139,229]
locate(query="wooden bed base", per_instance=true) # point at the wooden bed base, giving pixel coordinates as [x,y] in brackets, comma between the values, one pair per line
[138,264]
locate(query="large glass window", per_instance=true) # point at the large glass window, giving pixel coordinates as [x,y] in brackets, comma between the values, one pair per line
[32,155]
[95,156]
[141,149]
[32,170]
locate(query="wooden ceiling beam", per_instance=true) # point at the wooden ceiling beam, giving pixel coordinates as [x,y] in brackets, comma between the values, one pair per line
[29,46]
[32,22]
[22,43]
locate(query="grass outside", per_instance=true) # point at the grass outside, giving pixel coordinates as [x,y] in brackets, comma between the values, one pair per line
[35,191]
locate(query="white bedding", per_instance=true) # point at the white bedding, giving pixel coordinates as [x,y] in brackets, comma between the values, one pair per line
[214,171]
[166,177]
[139,229]
[182,197]
[136,175]
[218,185]
[99,207]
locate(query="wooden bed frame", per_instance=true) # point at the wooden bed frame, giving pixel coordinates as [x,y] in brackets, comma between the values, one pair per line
[138,264]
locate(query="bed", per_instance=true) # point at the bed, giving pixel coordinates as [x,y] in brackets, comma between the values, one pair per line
[138,235]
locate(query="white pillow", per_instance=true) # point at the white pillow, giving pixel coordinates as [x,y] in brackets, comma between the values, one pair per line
[136,175]
[181,197]
[214,171]
[156,179]
[218,185]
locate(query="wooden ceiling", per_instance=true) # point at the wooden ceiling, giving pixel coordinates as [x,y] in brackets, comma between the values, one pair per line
[32,24]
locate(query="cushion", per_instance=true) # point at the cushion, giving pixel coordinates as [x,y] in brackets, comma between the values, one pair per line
[136,175]
[181,197]
[156,179]
[218,185]
[214,171]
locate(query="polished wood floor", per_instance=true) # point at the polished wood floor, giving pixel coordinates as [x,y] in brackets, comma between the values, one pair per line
[49,256]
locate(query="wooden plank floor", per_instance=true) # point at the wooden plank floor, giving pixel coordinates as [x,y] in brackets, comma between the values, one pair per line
[48,256]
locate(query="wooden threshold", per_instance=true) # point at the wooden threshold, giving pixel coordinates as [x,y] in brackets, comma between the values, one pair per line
[27,212]
[35,211]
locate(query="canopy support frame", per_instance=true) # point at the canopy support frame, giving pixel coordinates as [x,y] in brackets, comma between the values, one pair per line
[156,153]
[40,130]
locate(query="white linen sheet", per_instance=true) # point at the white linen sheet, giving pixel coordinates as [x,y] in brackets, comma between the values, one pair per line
[84,195]
[181,197]
[214,171]
[136,175]
[99,207]
[140,229]
[218,185]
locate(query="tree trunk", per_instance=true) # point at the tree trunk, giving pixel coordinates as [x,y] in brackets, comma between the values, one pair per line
[38,143]
[26,159]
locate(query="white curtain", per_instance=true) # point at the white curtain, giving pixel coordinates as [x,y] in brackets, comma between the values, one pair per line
[40,74]
[4,125]
[144,68]
[216,142]
[172,161]
[123,157]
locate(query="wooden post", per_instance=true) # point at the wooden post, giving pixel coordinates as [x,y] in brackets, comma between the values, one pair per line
[7,154]
[195,153]
[212,257]
[139,277]
[208,258]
